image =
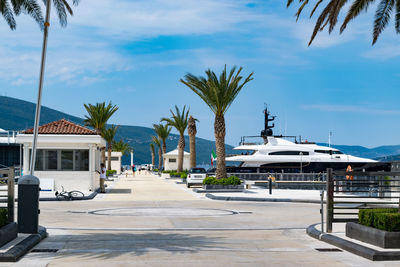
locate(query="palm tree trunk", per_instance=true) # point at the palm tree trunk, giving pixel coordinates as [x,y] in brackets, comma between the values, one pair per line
[219,131]
[192,144]
[164,150]
[109,158]
[181,147]
[152,158]
[159,158]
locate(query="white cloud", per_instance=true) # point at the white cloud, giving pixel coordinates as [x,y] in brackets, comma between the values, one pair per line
[132,20]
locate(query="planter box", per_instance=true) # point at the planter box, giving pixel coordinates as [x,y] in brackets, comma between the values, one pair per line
[373,236]
[220,186]
[8,232]
[165,175]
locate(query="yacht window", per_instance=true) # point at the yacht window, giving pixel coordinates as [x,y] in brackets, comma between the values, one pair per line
[328,151]
[289,153]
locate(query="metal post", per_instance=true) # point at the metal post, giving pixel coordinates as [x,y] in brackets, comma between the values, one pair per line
[39,100]
[270,185]
[11,195]
[322,210]
[329,200]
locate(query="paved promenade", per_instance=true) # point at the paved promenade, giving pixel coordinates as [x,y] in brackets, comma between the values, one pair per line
[149,221]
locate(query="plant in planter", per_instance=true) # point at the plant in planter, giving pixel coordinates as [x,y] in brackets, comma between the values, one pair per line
[231,182]
[111,172]
[380,227]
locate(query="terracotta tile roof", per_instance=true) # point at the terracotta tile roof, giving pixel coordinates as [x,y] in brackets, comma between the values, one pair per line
[62,127]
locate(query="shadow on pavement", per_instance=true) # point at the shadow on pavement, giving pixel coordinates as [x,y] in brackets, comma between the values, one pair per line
[107,246]
[119,191]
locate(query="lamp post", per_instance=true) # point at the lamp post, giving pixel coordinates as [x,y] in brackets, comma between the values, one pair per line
[39,99]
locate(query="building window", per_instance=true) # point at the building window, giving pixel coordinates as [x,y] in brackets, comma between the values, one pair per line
[171,160]
[62,160]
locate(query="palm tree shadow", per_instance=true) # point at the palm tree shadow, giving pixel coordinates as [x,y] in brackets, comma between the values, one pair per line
[112,245]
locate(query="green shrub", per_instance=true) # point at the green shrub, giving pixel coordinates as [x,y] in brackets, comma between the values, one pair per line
[183,175]
[383,219]
[156,170]
[232,180]
[110,172]
[3,217]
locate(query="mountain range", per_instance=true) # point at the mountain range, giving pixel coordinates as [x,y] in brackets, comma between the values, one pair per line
[16,114]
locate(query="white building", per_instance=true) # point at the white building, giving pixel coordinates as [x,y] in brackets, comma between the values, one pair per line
[171,160]
[115,161]
[67,155]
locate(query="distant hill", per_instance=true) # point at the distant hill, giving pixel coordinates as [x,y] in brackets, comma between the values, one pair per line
[372,153]
[16,114]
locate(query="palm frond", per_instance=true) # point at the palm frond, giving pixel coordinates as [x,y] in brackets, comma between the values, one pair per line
[382,17]
[397,18]
[178,119]
[355,9]
[6,12]
[217,93]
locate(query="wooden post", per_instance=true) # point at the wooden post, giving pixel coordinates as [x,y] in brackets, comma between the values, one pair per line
[329,200]
[11,195]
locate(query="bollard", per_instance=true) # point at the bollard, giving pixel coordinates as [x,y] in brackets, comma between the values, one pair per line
[322,210]
[329,200]
[28,204]
[270,185]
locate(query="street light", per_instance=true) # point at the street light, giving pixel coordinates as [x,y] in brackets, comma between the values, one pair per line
[39,99]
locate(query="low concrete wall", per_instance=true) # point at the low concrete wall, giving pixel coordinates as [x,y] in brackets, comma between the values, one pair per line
[220,186]
[303,185]
[373,236]
[8,232]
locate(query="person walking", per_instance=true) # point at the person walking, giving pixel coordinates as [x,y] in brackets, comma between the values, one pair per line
[133,170]
[102,178]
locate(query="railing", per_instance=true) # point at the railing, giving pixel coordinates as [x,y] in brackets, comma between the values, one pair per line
[281,176]
[347,192]
[7,191]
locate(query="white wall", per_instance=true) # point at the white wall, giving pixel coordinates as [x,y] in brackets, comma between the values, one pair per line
[71,180]
[115,164]
[169,166]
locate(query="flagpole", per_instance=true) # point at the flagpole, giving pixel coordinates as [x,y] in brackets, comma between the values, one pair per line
[39,99]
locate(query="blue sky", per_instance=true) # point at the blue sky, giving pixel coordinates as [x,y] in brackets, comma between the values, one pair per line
[133,53]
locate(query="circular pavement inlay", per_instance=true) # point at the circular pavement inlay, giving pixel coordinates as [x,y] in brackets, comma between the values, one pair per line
[168,212]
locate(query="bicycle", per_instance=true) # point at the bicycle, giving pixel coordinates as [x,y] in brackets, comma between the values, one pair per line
[71,195]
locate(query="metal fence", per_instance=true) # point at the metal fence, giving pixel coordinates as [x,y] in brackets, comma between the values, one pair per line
[347,192]
[7,191]
[281,176]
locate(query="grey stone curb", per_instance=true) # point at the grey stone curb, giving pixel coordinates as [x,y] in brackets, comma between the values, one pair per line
[23,247]
[8,233]
[360,250]
[214,197]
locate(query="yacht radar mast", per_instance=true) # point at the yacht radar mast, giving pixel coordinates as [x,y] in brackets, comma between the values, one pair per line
[267,128]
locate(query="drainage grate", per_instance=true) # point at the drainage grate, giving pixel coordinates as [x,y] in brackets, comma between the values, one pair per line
[328,250]
[37,250]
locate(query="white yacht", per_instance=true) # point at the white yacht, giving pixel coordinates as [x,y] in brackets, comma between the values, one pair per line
[277,154]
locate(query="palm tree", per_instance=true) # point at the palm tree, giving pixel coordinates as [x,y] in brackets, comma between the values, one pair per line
[97,117]
[109,135]
[218,94]
[157,142]
[122,147]
[152,154]
[162,131]
[32,8]
[192,131]
[329,15]
[179,121]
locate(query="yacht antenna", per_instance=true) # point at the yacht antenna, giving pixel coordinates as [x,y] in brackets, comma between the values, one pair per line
[267,128]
